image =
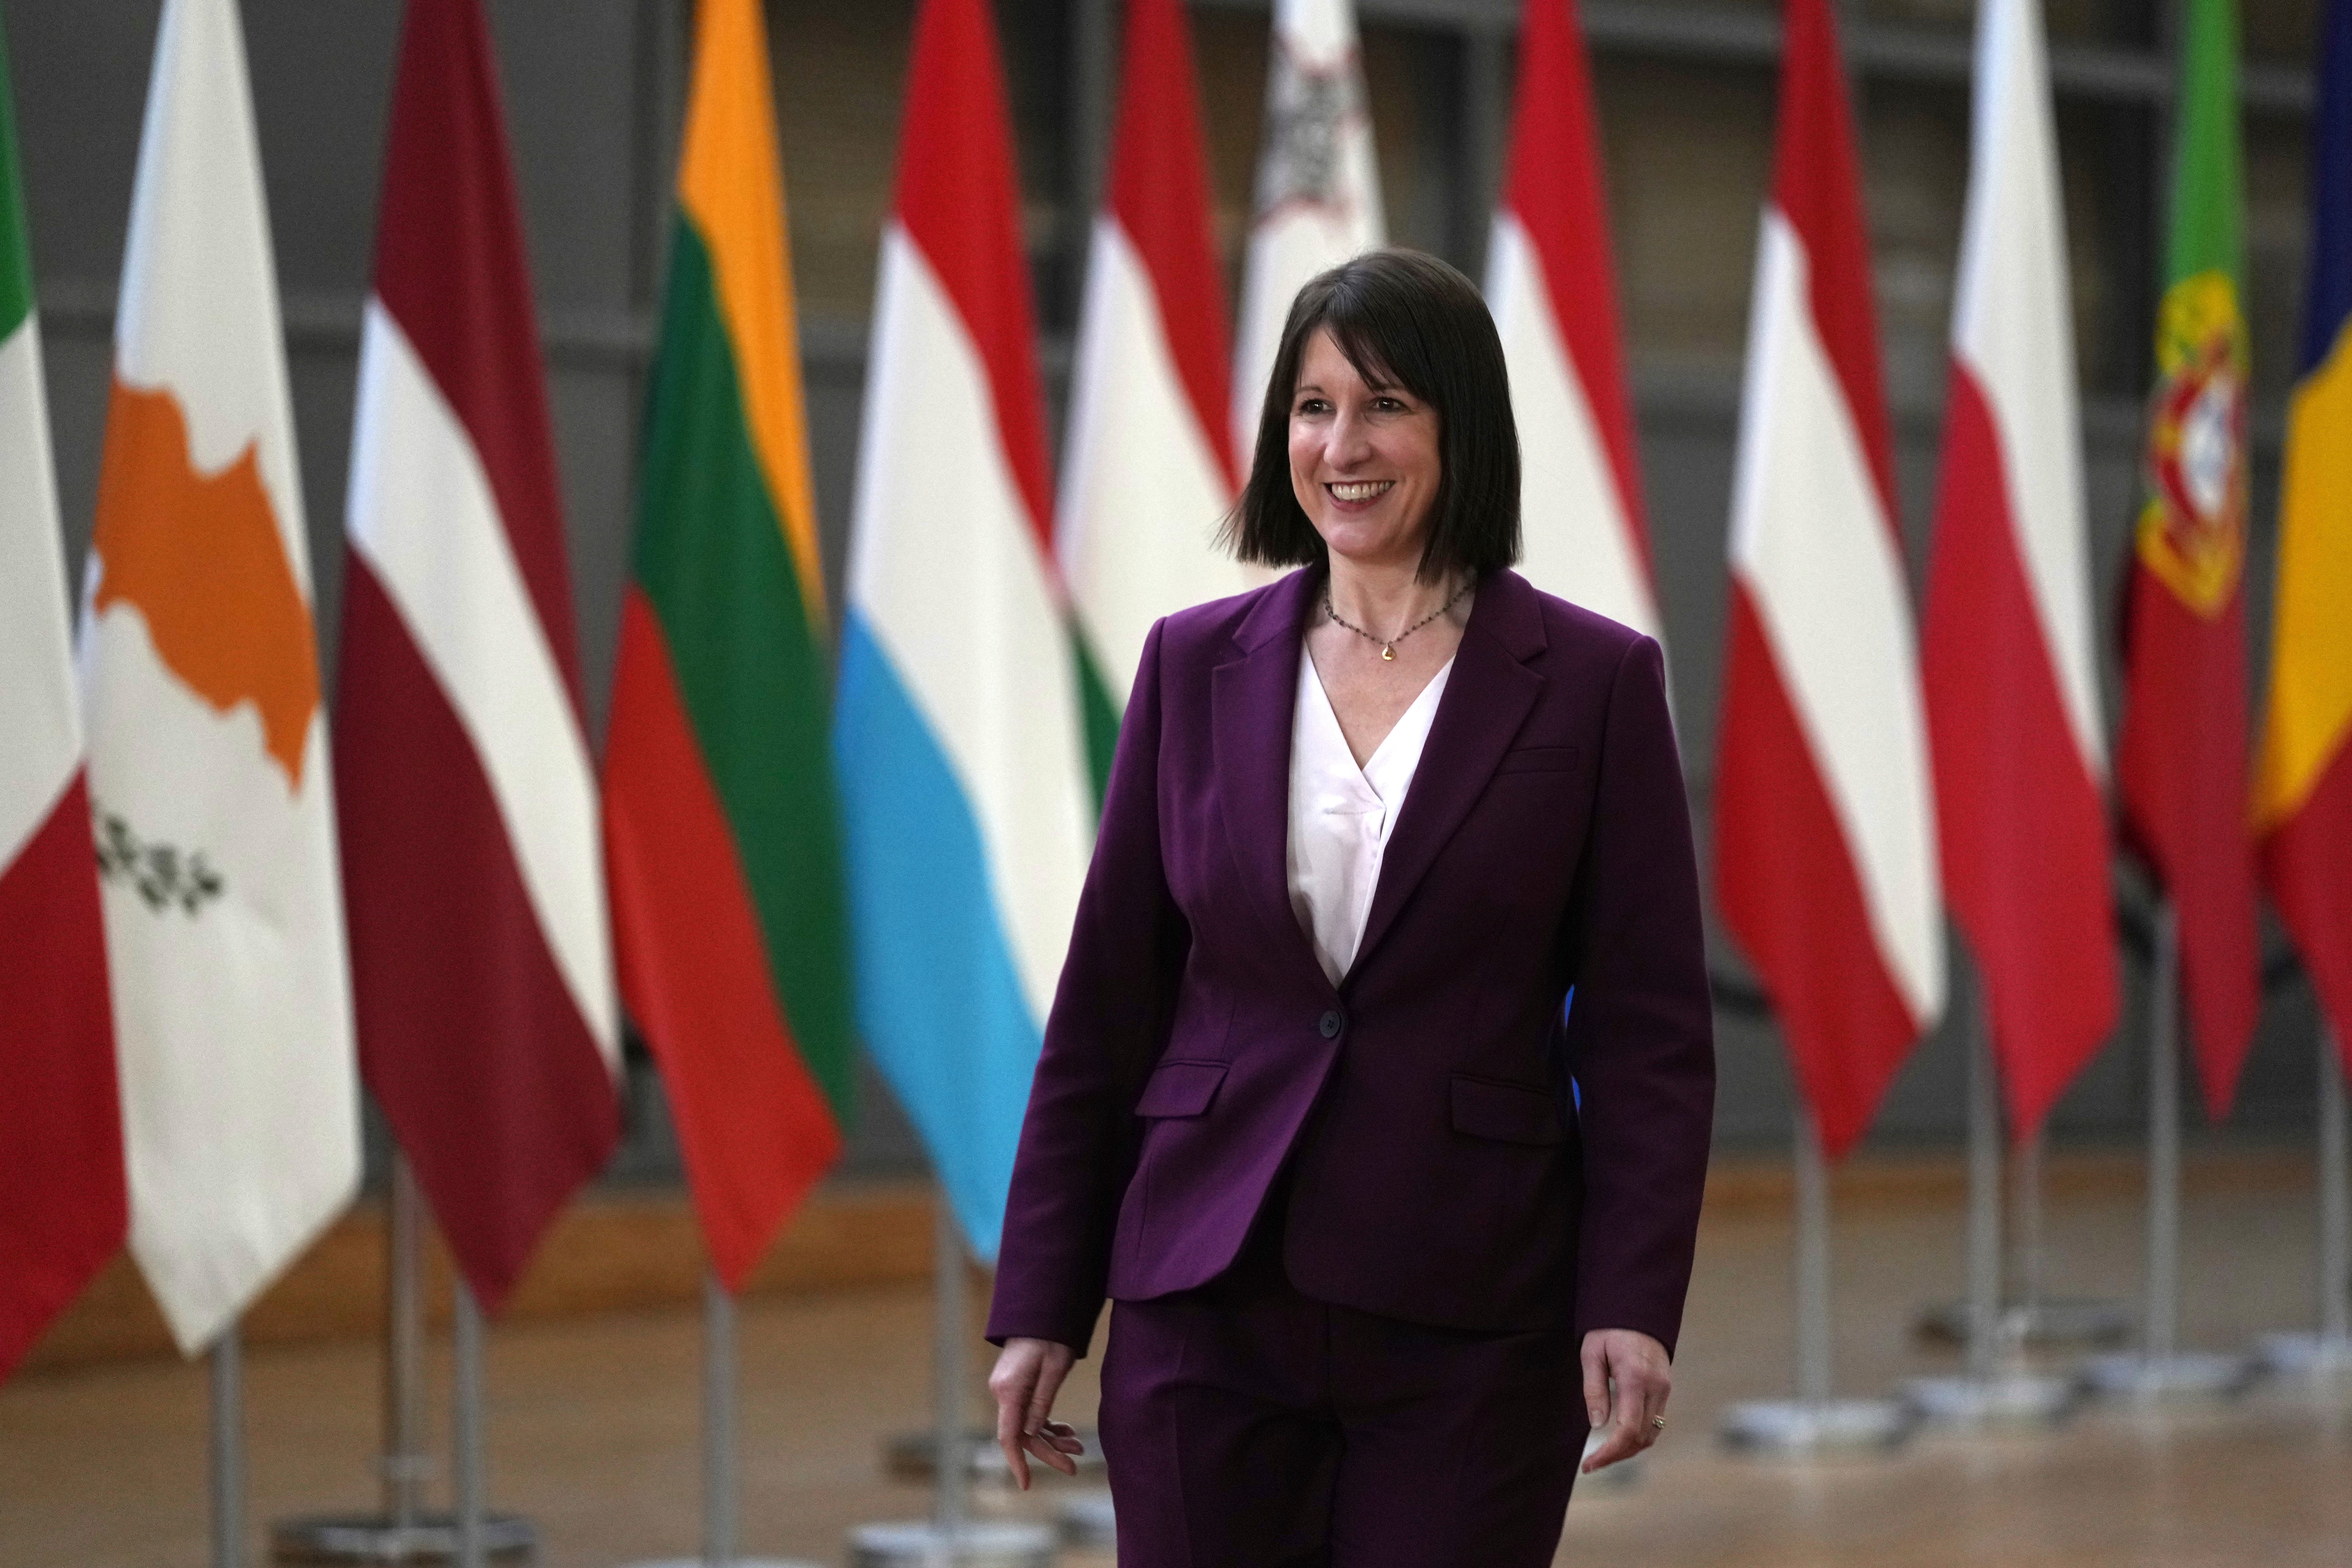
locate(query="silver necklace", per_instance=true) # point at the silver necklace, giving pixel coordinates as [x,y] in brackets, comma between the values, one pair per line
[1388,644]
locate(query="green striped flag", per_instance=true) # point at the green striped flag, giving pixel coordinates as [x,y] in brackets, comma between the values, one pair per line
[719,826]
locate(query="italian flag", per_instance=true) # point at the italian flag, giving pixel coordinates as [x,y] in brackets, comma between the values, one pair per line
[2181,762]
[63,1208]
[720,835]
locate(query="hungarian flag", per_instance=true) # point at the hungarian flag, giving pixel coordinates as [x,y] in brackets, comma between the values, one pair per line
[1145,473]
[2012,689]
[720,833]
[2181,762]
[1824,844]
[208,770]
[1553,289]
[966,808]
[479,950]
[1319,187]
[2303,775]
[62,1204]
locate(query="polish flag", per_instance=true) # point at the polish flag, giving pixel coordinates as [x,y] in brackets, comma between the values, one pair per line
[1552,286]
[208,770]
[1147,476]
[2012,693]
[63,1209]
[480,952]
[1825,845]
[966,817]
[1319,186]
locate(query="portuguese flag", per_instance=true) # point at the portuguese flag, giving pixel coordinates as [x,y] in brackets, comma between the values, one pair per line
[2181,765]
[720,828]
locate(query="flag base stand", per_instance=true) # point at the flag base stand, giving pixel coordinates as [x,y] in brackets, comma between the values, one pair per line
[1087,1523]
[2183,1377]
[923,1543]
[2017,1401]
[914,1457]
[376,1539]
[1811,1428]
[2061,1320]
[2313,1358]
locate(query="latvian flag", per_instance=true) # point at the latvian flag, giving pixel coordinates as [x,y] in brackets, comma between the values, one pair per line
[1553,289]
[1825,849]
[2012,693]
[63,1208]
[479,950]
[965,802]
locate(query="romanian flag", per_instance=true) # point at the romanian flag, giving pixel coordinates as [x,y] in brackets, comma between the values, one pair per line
[2302,779]
[62,1204]
[2180,764]
[719,829]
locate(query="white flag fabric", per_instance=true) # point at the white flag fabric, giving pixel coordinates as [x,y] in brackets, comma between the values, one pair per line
[1319,186]
[207,742]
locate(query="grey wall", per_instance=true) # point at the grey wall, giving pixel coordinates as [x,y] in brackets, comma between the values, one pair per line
[593,92]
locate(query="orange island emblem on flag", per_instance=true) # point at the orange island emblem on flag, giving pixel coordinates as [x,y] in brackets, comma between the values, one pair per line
[199,557]
[2192,530]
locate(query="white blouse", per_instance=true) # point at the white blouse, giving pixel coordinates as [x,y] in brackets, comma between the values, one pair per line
[1341,814]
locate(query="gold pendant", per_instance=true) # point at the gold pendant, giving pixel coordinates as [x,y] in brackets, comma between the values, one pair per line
[1388,652]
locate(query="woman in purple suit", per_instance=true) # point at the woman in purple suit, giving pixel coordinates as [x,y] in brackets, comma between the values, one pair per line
[1378,1088]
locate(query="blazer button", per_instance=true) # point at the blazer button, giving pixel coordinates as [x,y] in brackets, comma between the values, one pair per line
[1330,1024]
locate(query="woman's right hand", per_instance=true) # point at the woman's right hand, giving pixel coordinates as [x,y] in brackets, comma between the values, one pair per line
[1028,1375]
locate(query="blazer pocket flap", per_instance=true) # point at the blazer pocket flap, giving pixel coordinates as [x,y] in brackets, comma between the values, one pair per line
[1180,1088]
[1507,1112]
[1537,760]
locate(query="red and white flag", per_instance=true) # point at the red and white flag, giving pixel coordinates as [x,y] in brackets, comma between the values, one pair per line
[1553,289]
[63,1208]
[2012,693]
[1825,845]
[480,952]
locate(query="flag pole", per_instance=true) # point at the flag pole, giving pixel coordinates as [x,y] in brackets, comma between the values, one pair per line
[2327,1354]
[950,1538]
[466,1426]
[405,1464]
[1813,1423]
[2160,1370]
[227,1364]
[1997,1387]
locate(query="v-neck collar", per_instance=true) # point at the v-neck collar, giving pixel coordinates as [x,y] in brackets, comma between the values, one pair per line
[1417,717]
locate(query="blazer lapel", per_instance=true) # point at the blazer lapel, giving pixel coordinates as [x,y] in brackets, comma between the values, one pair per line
[1252,700]
[1486,699]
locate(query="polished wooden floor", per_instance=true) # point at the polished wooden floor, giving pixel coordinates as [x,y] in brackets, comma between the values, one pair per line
[594,1420]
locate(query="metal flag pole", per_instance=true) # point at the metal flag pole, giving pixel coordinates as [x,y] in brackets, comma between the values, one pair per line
[2328,1353]
[1814,1423]
[1996,1387]
[950,1538]
[466,1425]
[227,1363]
[721,1485]
[2160,1370]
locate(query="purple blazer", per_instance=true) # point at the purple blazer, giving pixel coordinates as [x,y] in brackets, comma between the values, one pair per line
[1445,1171]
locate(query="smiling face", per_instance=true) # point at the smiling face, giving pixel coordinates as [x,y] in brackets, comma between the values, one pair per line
[1364,459]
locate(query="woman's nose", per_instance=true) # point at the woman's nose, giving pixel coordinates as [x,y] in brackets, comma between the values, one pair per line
[1348,440]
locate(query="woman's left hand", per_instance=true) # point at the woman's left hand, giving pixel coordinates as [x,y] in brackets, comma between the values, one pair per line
[1626,1381]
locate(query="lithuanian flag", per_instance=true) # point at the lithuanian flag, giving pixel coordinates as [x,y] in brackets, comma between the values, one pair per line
[2302,775]
[719,829]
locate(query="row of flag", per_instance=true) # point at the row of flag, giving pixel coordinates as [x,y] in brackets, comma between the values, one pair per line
[453,899]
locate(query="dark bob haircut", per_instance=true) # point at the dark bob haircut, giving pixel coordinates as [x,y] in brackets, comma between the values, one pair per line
[1403,319]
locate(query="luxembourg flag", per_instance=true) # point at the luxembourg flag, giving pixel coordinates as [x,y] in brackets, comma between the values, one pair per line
[1147,476]
[967,814]
[1553,291]
[2012,694]
[1825,846]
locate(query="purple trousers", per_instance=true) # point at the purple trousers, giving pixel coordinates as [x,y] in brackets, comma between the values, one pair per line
[1247,1426]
